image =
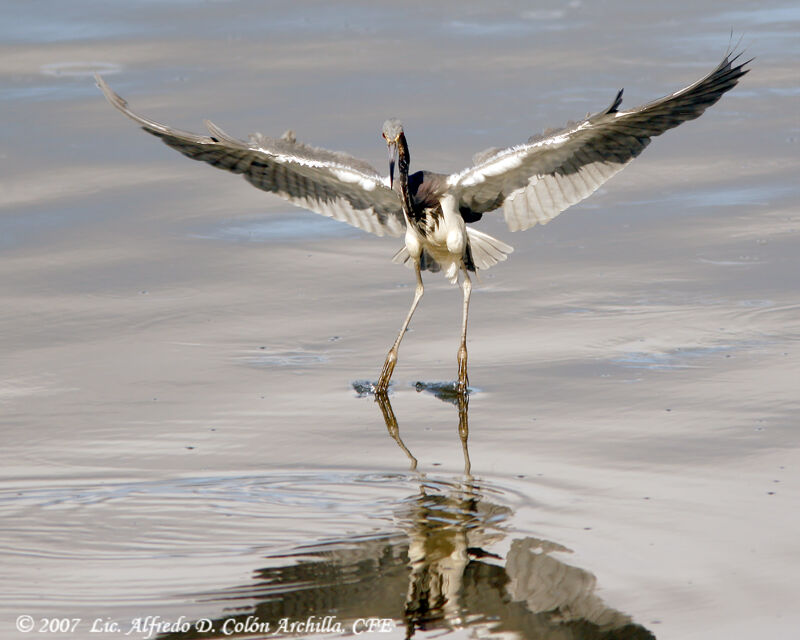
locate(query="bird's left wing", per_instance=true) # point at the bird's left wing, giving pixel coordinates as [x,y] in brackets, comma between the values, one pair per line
[536,181]
[326,182]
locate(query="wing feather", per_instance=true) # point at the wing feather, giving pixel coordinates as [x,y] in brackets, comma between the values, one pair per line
[536,181]
[330,183]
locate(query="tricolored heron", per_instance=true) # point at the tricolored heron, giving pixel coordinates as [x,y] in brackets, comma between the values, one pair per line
[533,182]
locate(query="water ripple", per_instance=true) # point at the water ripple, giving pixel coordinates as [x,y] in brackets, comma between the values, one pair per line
[239,514]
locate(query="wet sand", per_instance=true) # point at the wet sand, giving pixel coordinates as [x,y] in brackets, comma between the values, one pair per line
[181,435]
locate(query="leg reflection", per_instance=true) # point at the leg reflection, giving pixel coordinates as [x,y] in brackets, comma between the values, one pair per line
[463,430]
[391,425]
[394,430]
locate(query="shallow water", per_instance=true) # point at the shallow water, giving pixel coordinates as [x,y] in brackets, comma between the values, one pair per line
[182,430]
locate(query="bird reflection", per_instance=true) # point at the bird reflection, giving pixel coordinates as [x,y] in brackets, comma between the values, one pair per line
[438,569]
[444,530]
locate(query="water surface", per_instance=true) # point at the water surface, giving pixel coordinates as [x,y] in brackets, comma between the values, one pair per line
[181,433]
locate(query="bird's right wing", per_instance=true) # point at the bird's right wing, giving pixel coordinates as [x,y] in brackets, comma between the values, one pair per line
[333,184]
[536,181]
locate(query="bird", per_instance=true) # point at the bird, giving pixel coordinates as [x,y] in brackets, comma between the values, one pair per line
[531,182]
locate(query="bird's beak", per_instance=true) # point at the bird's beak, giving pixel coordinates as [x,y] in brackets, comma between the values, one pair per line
[392,145]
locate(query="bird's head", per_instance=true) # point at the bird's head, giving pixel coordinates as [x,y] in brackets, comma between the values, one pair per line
[392,130]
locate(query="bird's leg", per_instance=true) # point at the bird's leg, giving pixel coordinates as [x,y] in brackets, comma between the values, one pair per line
[463,381]
[391,358]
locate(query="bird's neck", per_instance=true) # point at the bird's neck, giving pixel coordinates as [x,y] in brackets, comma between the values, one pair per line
[403,161]
[403,157]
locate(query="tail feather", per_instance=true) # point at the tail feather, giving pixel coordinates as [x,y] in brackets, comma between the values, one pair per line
[402,256]
[486,252]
